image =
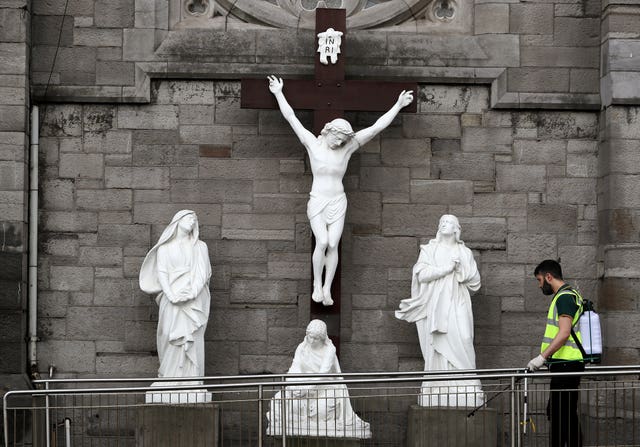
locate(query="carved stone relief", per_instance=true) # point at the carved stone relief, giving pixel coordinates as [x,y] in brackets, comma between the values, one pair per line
[440,16]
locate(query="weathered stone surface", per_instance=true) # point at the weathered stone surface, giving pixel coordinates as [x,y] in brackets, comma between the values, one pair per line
[431,126]
[107,199]
[538,79]
[487,139]
[404,152]
[257,169]
[572,57]
[571,31]
[376,325]
[411,220]
[520,178]
[502,279]
[492,18]
[441,192]
[69,221]
[149,117]
[531,18]
[445,99]
[571,191]
[463,166]
[539,152]
[531,248]
[137,177]
[71,278]
[384,179]
[114,13]
[384,251]
[552,218]
[76,356]
[369,357]
[238,325]
[123,235]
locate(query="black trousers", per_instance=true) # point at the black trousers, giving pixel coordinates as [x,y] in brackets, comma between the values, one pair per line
[562,409]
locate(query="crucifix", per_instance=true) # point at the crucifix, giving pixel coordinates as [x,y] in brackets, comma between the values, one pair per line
[329,95]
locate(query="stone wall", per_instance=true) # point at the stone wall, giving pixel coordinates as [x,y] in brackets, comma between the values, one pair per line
[522,183]
[14,144]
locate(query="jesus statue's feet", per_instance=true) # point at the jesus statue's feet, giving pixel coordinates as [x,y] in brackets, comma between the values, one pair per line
[327,301]
[317,294]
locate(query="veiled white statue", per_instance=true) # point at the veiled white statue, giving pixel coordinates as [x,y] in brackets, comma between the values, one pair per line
[440,305]
[329,154]
[316,410]
[178,270]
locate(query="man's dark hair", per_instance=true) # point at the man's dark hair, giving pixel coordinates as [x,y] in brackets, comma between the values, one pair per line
[549,266]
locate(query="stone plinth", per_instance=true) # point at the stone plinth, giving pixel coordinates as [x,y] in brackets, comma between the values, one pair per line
[299,441]
[171,425]
[433,426]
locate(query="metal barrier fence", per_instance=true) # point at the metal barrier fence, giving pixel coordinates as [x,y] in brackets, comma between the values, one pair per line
[374,409]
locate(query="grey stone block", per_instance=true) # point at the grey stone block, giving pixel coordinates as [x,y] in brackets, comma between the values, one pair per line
[100,256]
[13,25]
[404,152]
[192,92]
[552,218]
[258,169]
[115,73]
[538,79]
[98,118]
[463,166]
[108,142]
[452,99]
[196,114]
[71,278]
[108,199]
[57,194]
[384,179]
[579,191]
[289,266]
[489,231]
[161,213]
[81,166]
[165,155]
[502,279]
[579,261]
[156,136]
[280,203]
[97,37]
[76,356]
[62,120]
[582,165]
[114,13]
[441,192]
[492,18]
[531,18]
[140,364]
[252,291]
[148,117]
[69,221]
[225,191]
[377,325]
[123,235]
[520,178]
[357,357]
[238,325]
[584,81]
[572,57]
[228,111]
[364,208]
[13,118]
[258,221]
[411,220]
[487,139]
[539,152]
[137,177]
[49,29]
[531,248]
[117,292]
[384,251]
[250,146]
[431,126]
[624,122]
[577,32]
[13,58]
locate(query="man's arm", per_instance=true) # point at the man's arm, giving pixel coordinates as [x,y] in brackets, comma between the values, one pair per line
[305,137]
[365,135]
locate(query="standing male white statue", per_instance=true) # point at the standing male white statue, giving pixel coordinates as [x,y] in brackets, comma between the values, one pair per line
[178,269]
[329,154]
[440,305]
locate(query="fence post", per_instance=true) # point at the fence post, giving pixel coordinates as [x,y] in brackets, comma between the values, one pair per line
[513,411]
[259,415]
[283,414]
[47,417]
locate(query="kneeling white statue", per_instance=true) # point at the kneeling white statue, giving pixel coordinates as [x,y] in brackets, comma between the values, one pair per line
[178,269]
[440,305]
[316,410]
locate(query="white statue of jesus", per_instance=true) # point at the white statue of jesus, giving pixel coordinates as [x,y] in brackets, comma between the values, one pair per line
[329,154]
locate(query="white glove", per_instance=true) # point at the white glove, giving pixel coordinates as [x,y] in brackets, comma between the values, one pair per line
[536,363]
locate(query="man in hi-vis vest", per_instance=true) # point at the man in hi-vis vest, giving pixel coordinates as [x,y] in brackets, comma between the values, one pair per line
[561,353]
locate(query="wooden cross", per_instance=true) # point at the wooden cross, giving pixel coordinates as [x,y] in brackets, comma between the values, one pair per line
[329,95]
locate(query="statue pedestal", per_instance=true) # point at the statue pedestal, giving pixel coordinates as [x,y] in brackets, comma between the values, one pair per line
[171,425]
[299,441]
[450,426]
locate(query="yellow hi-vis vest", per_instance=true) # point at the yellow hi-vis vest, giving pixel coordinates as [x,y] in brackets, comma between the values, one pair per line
[569,351]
